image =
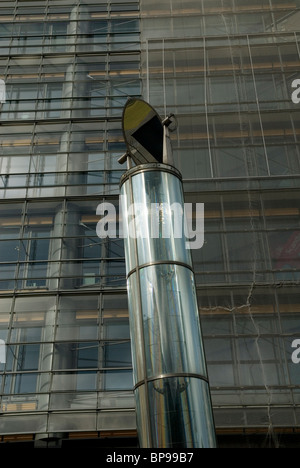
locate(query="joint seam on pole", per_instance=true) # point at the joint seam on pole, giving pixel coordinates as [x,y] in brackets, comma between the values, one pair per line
[160,262]
[171,375]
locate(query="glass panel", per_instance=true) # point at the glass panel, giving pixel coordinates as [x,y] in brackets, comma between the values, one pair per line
[117,354]
[219,355]
[80,400]
[116,329]
[124,399]
[118,380]
[5,309]
[21,383]
[210,260]
[76,355]
[24,403]
[261,361]
[10,221]
[31,424]
[72,422]
[116,421]
[78,318]
[284,247]
[9,251]
[23,357]
[77,381]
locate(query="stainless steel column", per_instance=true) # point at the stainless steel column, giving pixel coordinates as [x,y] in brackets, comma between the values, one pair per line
[171,387]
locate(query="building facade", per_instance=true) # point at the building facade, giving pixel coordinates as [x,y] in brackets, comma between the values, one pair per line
[228,70]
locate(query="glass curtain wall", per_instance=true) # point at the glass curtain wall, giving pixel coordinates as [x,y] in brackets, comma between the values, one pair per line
[68,68]
[226,68]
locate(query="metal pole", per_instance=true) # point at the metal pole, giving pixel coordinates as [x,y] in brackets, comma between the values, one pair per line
[170,377]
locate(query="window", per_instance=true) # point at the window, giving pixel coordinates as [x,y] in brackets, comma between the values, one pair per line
[210,259]
[22,100]
[52,103]
[22,358]
[117,352]
[78,318]
[261,361]
[35,251]
[117,348]
[5,309]
[83,355]
[219,355]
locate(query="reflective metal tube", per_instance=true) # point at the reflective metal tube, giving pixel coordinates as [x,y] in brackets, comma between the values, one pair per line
[170,377]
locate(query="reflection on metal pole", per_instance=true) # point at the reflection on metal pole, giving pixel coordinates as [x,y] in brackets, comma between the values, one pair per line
[171,386]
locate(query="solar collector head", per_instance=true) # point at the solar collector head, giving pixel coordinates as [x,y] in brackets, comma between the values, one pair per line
[143,133]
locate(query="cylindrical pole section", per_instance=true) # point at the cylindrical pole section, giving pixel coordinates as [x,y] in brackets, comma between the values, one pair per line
[170,377]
